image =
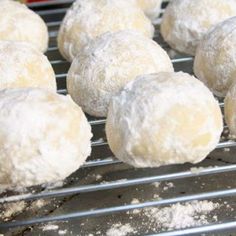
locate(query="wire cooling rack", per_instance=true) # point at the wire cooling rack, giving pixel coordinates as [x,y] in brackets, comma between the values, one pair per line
[100,193]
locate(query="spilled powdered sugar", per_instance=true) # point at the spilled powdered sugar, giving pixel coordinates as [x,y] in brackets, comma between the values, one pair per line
[11,209]
[50,227]
[120,230]
[38,204]
[180,216]
[173,217]
[196,170]
[53,185]
[156,184]
[62,232]
[168,186]
[54,227]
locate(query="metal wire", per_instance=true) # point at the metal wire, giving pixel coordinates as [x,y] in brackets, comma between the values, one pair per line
[199,230]
[112,161]
[52,11]
[49,3]
[116,209]
[120,184]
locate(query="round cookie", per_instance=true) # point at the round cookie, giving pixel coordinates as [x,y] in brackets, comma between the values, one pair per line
[18,23]
[108,63]
[151,8]
[86,20]
[44,137]
[185,22]
[230,109]
[164,118]
[215,60]
[22,65]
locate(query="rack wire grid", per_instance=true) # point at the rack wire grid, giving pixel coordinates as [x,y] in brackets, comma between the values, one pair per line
[100,193]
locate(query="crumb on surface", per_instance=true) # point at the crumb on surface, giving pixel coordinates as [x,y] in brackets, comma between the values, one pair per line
[50,227]
[120,230]
[62,232]
[156,184]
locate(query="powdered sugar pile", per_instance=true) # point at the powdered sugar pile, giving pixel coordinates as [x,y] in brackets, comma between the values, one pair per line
[179,216]
[54,227]
[156,184]
[120,230]
[38,204]
[50,227]
[62,232]
[173,217]
[168,186]
[11,209]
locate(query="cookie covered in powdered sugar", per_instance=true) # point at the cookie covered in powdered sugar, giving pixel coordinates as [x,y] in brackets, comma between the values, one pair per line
[164,118]
[44,137]
[22,66]
[86,20]
[230,110]
[185,22]
[151,8]
[108,63]
[19,23]
[215,58]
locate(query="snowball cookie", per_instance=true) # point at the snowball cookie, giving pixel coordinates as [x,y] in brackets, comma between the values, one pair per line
[215,60]
[151,8]
[164,118]
[185,22]
[108,63]
[230,109]
[44,137]
[22,65]
[18,23]
[90,18]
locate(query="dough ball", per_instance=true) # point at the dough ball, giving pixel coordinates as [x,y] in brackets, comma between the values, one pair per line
[151,8]
[108,63]
[164,118]
[185,22]
[215,60]
[90,18]
[230,109]
[18,23]
[44,137]
[21,65]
